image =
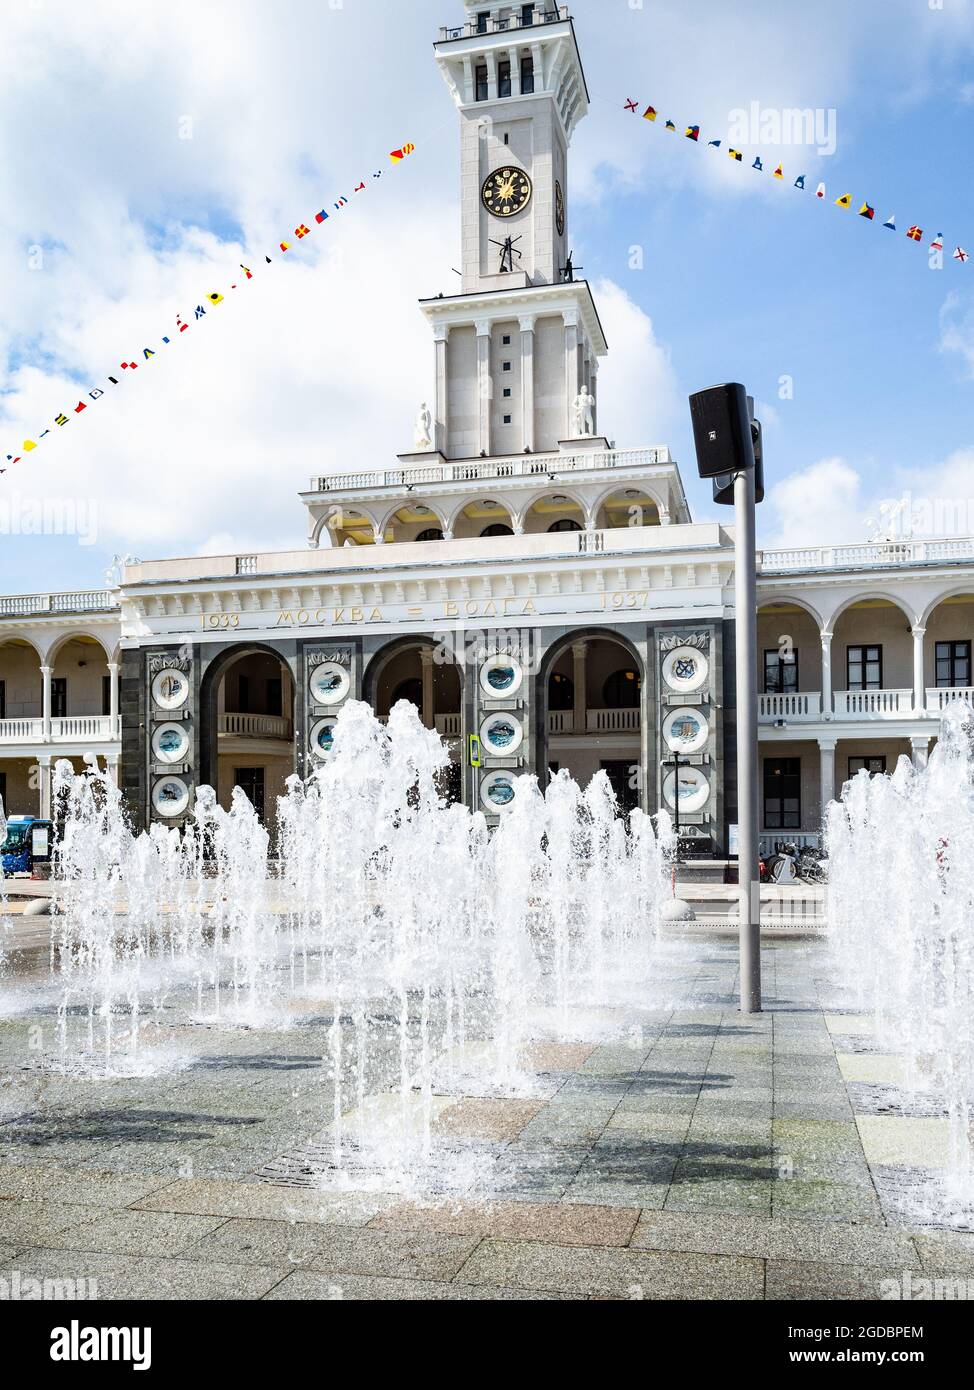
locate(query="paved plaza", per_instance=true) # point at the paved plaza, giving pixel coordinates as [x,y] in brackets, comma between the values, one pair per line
[691,1154]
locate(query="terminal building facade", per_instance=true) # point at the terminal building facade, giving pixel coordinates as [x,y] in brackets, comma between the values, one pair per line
[542,596]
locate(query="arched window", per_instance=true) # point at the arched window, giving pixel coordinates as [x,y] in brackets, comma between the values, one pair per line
[621,690]
[566,524]
[432,533]
[497,529]
[561,692]
[411,690]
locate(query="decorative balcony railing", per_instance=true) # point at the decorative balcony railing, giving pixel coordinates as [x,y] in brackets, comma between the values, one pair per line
[72,728]
[873,704]
[601,721]
[869,555]
[447,725]
[34,605]
[794,707]
[521,17]
[939,698]
[476,470]
[256,725]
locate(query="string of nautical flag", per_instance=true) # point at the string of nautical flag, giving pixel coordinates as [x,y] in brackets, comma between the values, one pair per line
[210,300]
[913,231]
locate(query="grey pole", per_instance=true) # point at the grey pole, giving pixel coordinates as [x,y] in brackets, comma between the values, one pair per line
[745,602]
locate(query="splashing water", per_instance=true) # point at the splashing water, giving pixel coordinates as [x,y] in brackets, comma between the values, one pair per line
[423,939]
[901,910]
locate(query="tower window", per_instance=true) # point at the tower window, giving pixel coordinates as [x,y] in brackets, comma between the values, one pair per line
[507,390]
[507,419]
[527,75]
[506,340]
[504,78]
[507,138]
[481,78]
[506,366]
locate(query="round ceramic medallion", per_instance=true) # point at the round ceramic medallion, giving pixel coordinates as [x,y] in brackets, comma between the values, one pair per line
[685,668]
[500,676]
[501,734]
[170,688]
[323,736]
[329,683]
[694,789]
[170,796]
[685,730]
[170,743]
[497,790]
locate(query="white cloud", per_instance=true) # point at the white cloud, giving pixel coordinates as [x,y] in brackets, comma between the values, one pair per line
[817,504]
[829,503]
[957,329]
[638,396]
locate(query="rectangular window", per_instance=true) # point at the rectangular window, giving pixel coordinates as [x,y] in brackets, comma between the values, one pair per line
[505,366]
[504,78]
[106,694]
[864,668]
[481,80]
[483,19]
[507,390]
[527,15]
[527,76]
[59,697]
[953,664]
[873,765]
[507,419]
[780,675]
[250,780]
[506,340]
[782,793]
[274,696]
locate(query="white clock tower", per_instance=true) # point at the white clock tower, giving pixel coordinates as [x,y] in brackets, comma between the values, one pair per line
[516,352]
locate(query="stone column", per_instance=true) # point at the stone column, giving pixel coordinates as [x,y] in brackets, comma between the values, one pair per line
[428,711]
[441,335]
[46,704]
[527,322]
[919,751]
[579,674]
[919,690]
[111,760]
[571,369]
[826,672]
[826,763]
[113,728]
[44,769]
[483,386]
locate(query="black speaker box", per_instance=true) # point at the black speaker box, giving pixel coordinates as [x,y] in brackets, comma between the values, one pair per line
[724,485]
[721,430]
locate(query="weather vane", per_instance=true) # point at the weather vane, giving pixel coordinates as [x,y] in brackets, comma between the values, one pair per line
[568,269]
[508,252]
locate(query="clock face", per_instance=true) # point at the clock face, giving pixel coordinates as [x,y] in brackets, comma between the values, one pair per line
[506,192]
[559,209]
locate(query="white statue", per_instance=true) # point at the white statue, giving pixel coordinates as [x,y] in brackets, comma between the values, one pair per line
[584,410]
[421,431]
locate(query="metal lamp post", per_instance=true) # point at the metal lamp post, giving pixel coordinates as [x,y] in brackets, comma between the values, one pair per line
[728,447]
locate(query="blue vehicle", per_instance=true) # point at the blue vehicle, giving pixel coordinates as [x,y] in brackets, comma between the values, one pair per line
[28,843]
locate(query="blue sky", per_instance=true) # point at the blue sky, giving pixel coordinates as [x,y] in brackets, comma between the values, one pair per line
[323,366]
